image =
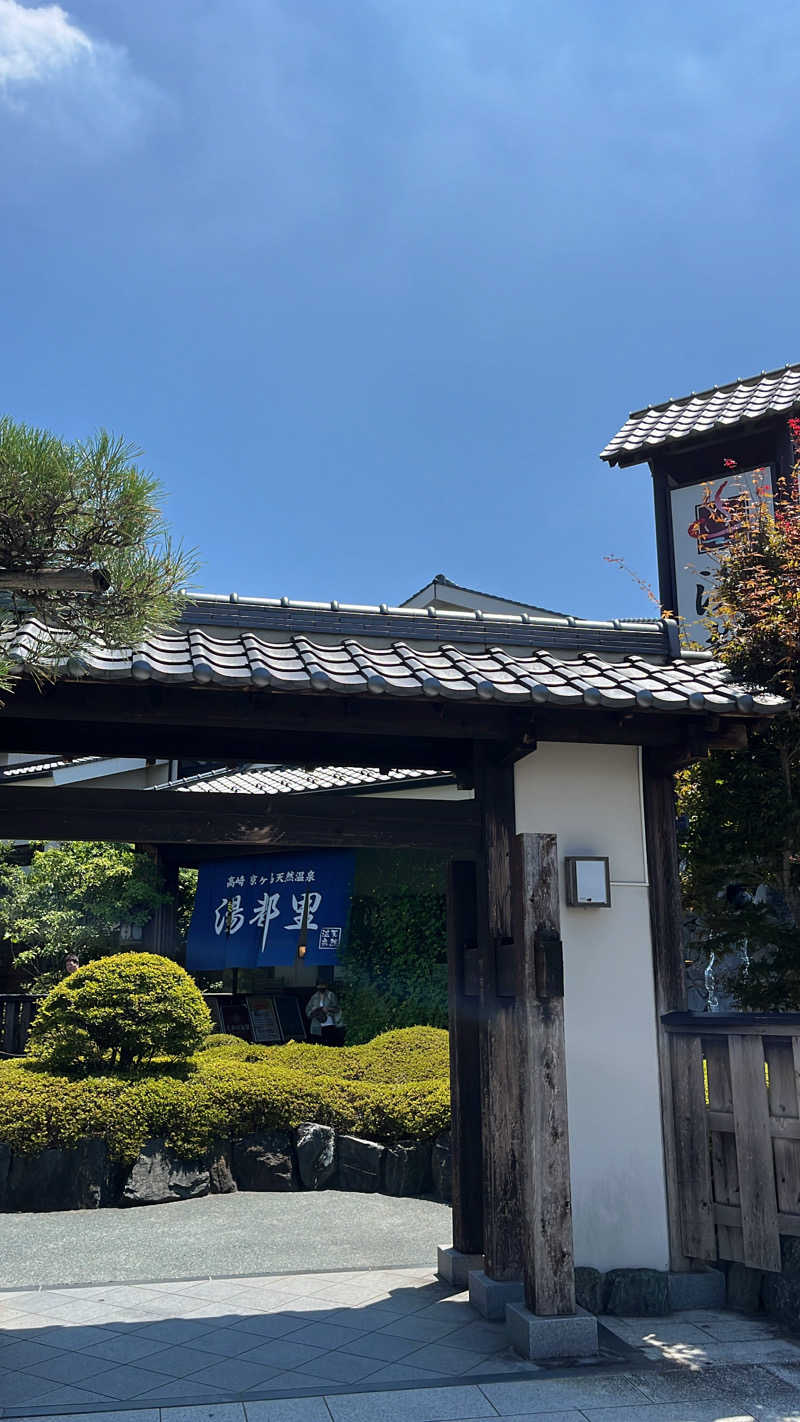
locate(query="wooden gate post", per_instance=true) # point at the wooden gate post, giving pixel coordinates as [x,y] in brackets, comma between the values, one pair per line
[682,1116]
[464,1012]
[160,933]
[546,1204]
[500,1064]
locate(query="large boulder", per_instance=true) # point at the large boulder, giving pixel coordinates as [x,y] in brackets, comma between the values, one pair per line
[781,1296]
[407,1168]
[5,1165]
[360,1164]
[78,1178]
[159,1175]
[220,1174]
[743,1291]
[265,1161]
[315,1147]
[589,1289]
[638,1292]
[442,1168]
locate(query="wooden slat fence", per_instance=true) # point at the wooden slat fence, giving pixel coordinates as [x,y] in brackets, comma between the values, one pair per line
[736,1104]
[16,1012]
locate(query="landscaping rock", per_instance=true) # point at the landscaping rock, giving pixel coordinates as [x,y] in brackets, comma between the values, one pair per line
[744,1288]
[5,1164]
[638,1292]
[781,1296]
[159,1175]
[55,1179]
[218,1161]
[407,1168]
[265,1162]
[589,1290]
[441,1163]
[360,1164]
[316,1154]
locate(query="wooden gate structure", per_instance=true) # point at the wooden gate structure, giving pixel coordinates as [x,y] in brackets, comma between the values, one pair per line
[291,683]
[736,1084]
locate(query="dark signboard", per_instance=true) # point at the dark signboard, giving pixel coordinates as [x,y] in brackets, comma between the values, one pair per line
[235,1018]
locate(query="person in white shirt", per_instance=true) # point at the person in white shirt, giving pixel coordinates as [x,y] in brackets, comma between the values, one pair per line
[325,1016]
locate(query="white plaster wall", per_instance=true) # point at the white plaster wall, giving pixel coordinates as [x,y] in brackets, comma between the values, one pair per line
[590,797]
[423,792]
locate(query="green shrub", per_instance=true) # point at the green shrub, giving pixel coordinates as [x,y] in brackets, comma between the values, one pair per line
[122,1011]
[231,1089]
[408,1054]
[217,1040]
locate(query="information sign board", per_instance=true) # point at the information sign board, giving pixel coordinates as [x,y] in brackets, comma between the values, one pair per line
[264,1019]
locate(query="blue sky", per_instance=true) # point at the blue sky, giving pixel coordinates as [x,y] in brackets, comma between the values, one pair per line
[371,282]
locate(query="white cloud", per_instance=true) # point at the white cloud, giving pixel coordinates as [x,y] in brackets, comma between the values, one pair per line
[77,90]
[38,43]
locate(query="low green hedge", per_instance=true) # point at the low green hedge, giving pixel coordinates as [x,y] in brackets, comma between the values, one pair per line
[389,1089]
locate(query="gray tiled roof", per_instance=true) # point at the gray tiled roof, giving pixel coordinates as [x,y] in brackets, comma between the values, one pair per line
[39,769]
[292,780]
[397,653]
[773,392]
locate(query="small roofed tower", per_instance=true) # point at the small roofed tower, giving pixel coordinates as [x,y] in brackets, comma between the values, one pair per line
[708,452]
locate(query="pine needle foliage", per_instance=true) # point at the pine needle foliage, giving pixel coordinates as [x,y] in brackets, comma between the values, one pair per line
[75,507]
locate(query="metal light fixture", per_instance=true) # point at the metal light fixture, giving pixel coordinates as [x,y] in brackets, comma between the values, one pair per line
[588,881]
[301,943]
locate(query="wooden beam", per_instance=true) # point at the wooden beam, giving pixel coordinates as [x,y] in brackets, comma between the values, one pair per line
[275,821]
[724,1166]
[695,1194]
[781,1128]
[214,723]
[666,932]
[762,1245]
[731,1217]
[742,1024]
[220,724]
[466,1131]
[546,1204]
[500,1064]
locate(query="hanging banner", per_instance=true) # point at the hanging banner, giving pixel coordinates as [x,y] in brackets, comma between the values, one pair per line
[259,912]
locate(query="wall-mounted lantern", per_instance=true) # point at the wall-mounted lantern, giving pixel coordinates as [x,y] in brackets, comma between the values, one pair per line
[588,881]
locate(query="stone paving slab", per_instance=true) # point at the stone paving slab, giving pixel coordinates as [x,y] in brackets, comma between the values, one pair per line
[597,1398]
[212,1340]
[351,1345]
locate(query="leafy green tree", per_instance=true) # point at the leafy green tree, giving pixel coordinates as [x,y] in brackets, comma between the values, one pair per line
[84,548]
[73,898]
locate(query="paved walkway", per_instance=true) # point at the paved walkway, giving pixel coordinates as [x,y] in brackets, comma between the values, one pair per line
[245,1233]
[360,1347]
[257,1338]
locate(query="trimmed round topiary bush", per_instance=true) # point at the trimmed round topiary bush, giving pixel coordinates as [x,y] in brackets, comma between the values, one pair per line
[120,1011]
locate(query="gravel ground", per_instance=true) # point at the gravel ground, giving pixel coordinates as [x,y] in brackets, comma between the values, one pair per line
[222,1235]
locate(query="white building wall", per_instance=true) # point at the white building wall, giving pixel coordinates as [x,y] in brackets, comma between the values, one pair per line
[590,797]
